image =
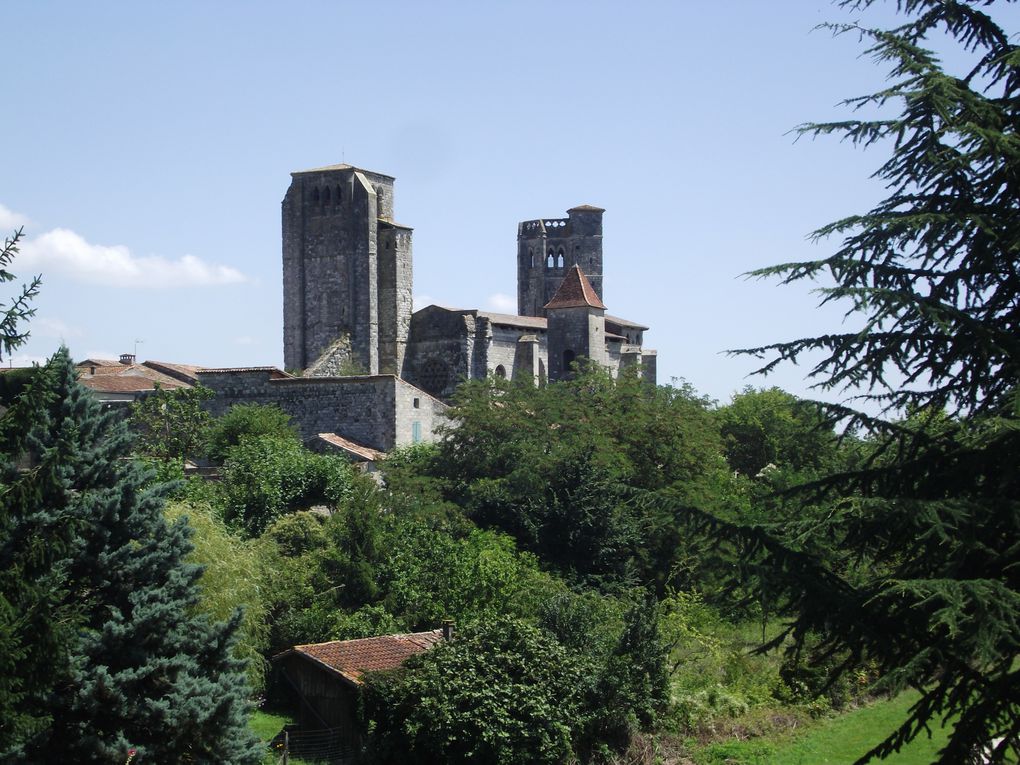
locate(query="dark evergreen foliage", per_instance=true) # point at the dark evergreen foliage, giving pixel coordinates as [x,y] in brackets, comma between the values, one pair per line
[917,566]
[139,669]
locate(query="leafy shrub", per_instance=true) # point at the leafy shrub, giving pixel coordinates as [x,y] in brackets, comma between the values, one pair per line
[247,421]
[502,691]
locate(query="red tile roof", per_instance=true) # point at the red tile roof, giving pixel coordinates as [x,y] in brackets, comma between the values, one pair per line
[125,383]
[575,291]
[99,363]
[353,658]
[183,372]
[361,452]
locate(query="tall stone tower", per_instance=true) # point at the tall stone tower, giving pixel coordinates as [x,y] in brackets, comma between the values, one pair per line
[577,325]
[549,247]
[346,273]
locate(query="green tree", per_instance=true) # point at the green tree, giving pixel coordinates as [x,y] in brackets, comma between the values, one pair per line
[34,625]
[925,580]
[502,692]
[772,427]
[267,476]
[234,575]
[140,670]
[171,423]
[556,466]
[13,316]
[246,421]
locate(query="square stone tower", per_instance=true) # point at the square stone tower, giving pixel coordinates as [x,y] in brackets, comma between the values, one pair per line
[577,325]
[549,247]
[347,273]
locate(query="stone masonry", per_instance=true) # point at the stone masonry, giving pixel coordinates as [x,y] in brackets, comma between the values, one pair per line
[347,273]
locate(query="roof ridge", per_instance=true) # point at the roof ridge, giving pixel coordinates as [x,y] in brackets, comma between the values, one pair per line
[575,291]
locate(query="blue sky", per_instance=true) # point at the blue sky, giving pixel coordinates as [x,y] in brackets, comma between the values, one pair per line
[147,147]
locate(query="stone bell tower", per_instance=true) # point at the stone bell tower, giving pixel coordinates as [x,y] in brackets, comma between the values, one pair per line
[347,273]
[548,248]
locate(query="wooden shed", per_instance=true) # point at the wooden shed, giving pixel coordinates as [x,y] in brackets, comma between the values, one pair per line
[326,676]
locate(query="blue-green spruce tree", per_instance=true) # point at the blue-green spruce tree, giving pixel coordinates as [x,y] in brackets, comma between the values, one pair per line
[135,667]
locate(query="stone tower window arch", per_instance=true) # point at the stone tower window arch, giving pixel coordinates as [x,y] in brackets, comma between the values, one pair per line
[559,258]
[531,256]
[339,194]
[568,360]
[315,194]
[550,261]
[325,195]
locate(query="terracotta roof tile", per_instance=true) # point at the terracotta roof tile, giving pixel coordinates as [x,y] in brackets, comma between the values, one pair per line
[575,291]
[99,363]
[125,383]
[353,658]
[362,452]
[183,372]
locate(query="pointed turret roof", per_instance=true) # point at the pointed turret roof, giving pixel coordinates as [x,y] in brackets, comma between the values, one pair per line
[575,291]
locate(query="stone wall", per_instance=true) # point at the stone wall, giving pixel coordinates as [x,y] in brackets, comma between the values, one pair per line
[376,411]
[575,333]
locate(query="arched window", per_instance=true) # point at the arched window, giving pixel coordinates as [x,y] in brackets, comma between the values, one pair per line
[568,360]
[559,258]
[550,260]
[315,194]
[325,196]
[500,371]
[339,194]
[531,257]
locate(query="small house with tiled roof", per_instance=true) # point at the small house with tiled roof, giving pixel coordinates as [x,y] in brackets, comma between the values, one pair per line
[326,677]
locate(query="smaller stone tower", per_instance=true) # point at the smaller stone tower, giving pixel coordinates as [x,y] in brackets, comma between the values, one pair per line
[548,248]
[577,325]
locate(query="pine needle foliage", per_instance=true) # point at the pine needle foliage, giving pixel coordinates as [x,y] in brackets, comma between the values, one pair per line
[135,667]
[931,270]
[916,568]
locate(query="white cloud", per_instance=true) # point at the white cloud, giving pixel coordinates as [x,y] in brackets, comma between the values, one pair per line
[502,303]
[65,253]
[47,326]
[10,220]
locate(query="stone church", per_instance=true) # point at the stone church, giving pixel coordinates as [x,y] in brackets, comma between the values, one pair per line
[366,373]
[347,292]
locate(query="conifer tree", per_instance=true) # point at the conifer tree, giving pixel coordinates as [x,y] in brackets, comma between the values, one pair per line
[141,670]
[917,567]
[32,625]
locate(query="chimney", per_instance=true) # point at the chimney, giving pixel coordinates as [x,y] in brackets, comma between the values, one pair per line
[127,358]
[447,629]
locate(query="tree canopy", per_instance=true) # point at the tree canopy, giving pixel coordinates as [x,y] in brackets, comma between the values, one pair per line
[917,565]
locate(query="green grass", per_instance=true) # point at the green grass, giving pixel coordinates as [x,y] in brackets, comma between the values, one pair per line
[265,725]
[834,741]
[843,739]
